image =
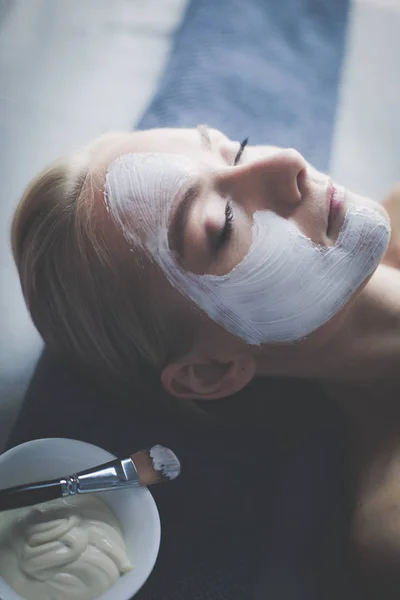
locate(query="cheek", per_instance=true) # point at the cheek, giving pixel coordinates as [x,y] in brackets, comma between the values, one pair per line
[256,152]
[364,202]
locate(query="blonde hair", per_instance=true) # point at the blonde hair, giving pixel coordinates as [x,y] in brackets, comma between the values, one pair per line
[84,299]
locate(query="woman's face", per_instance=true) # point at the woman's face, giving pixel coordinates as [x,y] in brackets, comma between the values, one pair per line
[263,243]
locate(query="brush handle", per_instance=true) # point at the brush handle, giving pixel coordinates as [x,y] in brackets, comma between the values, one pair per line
[28,495]
[115,474]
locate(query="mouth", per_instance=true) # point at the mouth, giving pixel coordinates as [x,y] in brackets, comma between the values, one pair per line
[335,202]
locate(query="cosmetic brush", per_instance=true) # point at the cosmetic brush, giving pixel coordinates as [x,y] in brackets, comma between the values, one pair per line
[144,468]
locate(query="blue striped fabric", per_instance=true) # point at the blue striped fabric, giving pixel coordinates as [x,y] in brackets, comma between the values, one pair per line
[268,69]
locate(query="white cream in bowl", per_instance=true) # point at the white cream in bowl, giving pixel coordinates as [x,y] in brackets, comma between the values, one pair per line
[71,549]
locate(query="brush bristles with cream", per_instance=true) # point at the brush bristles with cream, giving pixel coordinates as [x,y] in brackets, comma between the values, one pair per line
[157,465]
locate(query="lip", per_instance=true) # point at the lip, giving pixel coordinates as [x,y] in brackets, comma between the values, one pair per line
[335,201]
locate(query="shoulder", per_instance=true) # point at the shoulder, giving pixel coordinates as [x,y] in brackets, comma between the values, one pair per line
[392,205]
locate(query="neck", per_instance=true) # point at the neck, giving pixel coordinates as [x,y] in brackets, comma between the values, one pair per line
[364,345]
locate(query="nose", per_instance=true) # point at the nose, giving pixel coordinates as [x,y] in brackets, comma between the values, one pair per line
[275,181]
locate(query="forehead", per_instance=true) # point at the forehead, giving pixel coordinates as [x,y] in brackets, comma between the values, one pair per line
[140,175]
[167,140]
[144,213]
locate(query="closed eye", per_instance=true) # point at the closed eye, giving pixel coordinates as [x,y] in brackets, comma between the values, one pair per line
[227,229]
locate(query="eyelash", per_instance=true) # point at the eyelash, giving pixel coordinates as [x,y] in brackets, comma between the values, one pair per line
[227,229]
[240,152]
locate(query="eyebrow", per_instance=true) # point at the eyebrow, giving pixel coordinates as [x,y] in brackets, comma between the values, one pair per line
[181,215]
[180,219]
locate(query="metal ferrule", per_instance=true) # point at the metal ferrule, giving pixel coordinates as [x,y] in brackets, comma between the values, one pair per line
[115,474]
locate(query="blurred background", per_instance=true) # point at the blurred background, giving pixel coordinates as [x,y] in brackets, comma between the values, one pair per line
[72,69]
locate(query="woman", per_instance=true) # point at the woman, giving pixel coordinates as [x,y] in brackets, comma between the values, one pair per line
[182,258]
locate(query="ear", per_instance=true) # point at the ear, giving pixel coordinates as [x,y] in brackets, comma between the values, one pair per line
[208,380]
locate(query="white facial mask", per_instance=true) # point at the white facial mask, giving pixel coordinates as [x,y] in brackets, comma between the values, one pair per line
[284,288]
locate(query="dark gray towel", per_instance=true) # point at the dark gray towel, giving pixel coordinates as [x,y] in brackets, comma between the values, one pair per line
[268,69]
[262,500]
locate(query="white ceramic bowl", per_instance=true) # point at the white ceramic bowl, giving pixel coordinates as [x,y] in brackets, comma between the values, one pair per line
[135,508]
